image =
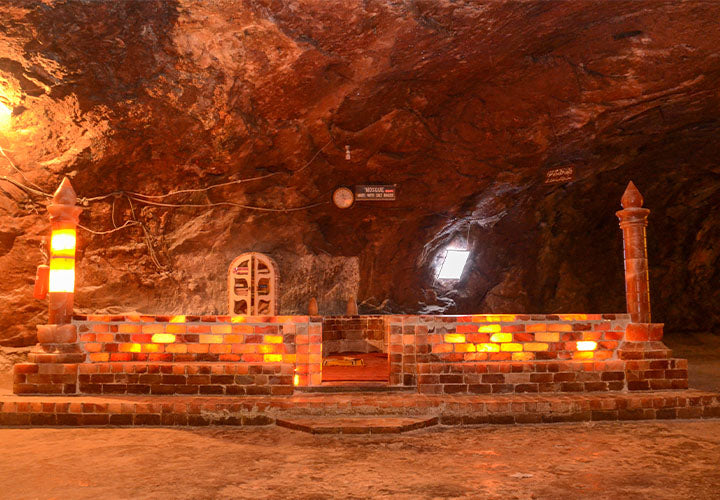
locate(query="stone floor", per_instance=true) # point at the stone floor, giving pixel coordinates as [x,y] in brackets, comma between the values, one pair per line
[612,461]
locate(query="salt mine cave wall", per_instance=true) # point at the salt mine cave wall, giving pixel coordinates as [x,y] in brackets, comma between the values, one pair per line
[464,106]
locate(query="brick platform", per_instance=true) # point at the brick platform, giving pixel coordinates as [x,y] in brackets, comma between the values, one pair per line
[264,410]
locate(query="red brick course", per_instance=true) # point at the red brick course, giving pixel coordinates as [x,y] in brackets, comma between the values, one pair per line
[263,410]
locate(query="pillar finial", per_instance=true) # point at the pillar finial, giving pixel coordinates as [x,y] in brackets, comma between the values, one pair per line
[631,198]
[65,194]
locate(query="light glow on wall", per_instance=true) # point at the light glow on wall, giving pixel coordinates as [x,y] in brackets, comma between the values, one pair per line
[453,264]
[5,114]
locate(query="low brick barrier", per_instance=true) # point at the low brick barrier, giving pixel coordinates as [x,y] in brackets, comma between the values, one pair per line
[270,355]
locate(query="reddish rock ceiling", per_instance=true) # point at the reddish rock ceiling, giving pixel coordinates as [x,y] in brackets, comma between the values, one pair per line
[463,105]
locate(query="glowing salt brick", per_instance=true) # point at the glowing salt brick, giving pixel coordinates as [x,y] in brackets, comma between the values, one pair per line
[234,339]
[155,328]
[178,319]
[523,356]
[586,345]
[296,379]
[455,338]
[129,348]
[547,336]
[87,337]
[408,339]
[439,348]
[218,329]
[163,338]
[573,317]
[476,356]
[126,328]
[175,328]
[477,338]
[273,339]
[480,318]
[506,317]
[93,347]
[104,337]
[211,339]
[315,359]
[488,348]
[540,327]
[99,356]
[464,347]
[501,337]
[536,346]
[242,329]
[583,355]
[176,348]
[591,335]
[198,329]
[152,348]
[523,337]
[263,348]
[488,329]
[220,348]
[510,347]
[197,348]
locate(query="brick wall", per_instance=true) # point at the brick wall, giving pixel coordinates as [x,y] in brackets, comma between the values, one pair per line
[245,339]
[353,334]
[266,355]
[527,353]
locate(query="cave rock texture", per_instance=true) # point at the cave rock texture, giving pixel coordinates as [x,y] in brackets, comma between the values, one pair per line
[464,105]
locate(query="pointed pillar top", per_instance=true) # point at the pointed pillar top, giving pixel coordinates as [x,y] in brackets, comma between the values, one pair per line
[65,194]
[632,197]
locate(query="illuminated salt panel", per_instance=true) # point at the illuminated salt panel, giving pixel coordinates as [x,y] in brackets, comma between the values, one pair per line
[163,338]
[586,345]
[501,337]
[453,265]
[455,338]
[62,275]
[62,243]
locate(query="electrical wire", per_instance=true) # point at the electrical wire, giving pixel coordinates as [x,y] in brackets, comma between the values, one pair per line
[208,188]
[25,188]
[2,151]
[127,224]
[228,204]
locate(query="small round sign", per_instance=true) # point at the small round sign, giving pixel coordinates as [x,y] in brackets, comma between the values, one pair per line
[343,197]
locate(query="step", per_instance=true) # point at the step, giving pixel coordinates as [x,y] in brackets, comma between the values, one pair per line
[353,387]
[356,425]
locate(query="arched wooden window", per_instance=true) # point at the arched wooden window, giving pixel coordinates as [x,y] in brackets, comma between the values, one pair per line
[252,281]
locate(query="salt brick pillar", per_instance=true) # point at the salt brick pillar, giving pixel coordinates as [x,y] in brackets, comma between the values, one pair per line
[633,220]
[58,339]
